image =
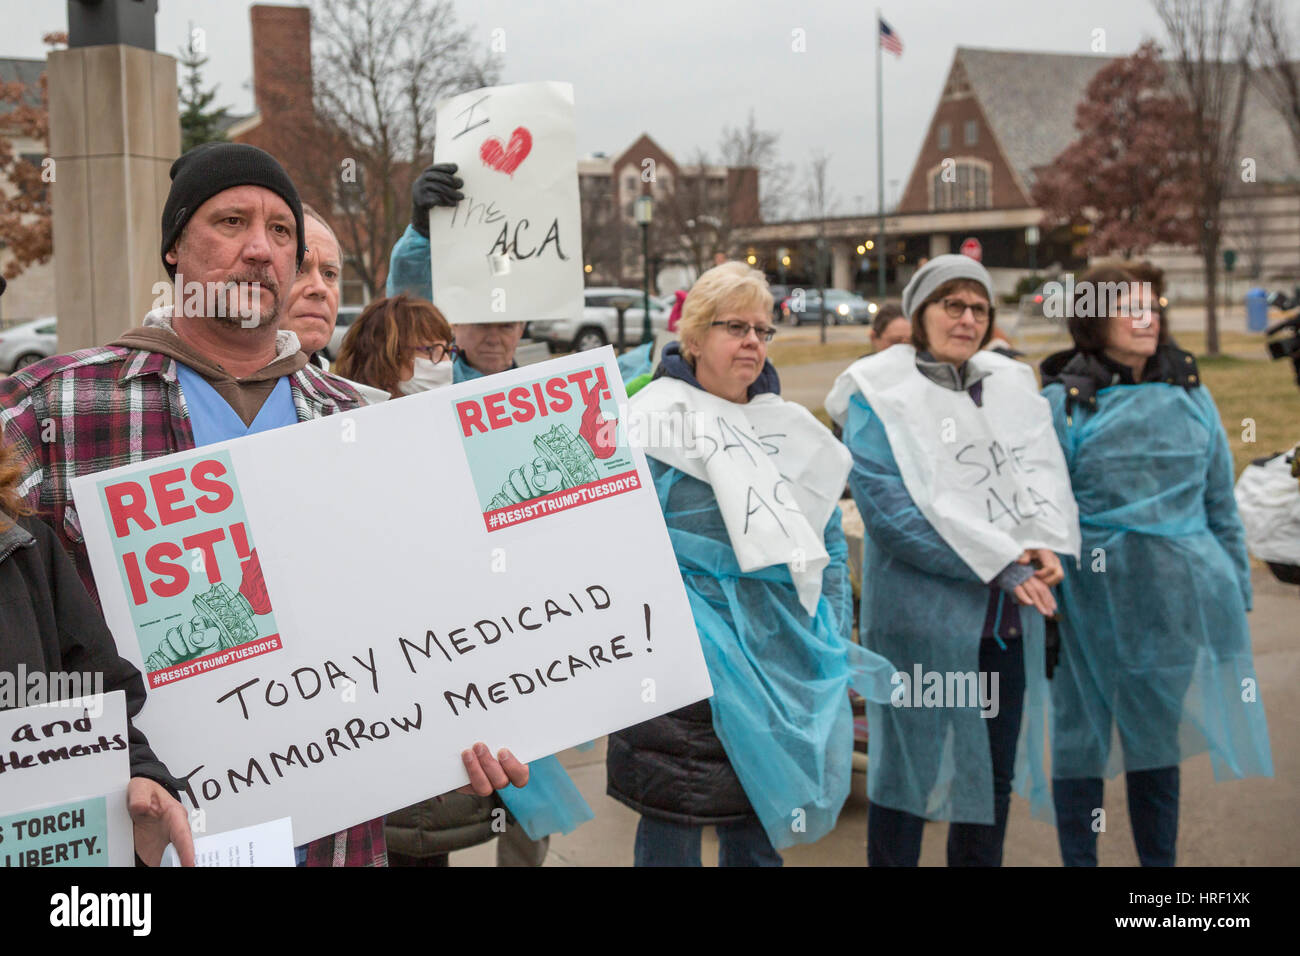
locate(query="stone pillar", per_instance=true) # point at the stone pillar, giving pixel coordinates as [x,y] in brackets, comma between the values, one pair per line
[114,132]
[939,244]
[841,266]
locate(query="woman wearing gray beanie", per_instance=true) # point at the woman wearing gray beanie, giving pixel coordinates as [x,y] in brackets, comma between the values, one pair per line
[965,497]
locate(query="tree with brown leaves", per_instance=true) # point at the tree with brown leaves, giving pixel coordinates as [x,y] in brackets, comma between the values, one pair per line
[25,204]
[1129,173]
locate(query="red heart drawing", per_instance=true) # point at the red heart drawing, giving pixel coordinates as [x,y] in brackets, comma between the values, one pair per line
[507,159]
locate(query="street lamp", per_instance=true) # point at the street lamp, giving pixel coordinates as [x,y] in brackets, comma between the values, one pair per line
[783,257]
[1031,240]
[643,211]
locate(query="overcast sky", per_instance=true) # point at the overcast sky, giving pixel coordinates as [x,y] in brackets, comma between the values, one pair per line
[681,70]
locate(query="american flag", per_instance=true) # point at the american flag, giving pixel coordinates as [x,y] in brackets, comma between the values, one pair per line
[889,39]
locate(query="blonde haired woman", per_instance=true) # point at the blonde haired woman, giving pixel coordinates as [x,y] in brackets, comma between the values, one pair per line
[751,508]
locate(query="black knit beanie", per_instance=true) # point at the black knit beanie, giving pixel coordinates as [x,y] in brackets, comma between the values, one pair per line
[208,169]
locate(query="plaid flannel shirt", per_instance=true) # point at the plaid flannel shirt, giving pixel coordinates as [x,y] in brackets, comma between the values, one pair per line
[100,408]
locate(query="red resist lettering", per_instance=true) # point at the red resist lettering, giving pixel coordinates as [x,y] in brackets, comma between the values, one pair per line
[129,501]
[523,403]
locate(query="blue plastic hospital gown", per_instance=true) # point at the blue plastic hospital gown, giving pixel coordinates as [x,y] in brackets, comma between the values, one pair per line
[1155,648]
[922,604]
[780,678]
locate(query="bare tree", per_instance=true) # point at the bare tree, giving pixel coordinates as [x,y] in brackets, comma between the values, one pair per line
[380,66]
[1248,229]
[701,210]
[1211,46]
[754,148]
[606,234]
[697,215]
[1277,71]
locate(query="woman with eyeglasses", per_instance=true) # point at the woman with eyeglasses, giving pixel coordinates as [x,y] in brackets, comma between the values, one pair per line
[401,345]
[966,501]
[749,485]
[1155,646]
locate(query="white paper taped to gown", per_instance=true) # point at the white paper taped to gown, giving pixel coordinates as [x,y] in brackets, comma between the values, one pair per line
[776,471]
[1268,500]
[990,478]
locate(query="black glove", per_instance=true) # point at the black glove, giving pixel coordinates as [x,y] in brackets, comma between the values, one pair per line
[437,186]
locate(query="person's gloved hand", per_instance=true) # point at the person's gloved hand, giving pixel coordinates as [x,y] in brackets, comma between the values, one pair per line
[437,186]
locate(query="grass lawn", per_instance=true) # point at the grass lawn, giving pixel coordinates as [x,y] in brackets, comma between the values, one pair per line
[1260,391]
[1245,389]
[798,352]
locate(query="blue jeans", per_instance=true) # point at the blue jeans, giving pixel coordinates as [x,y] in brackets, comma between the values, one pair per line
[659,843]
[894,836]
[1152,810]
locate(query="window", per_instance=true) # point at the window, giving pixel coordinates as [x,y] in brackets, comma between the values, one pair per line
[972,132]
[945,137]
[629,183]
[38,160]
[970,190]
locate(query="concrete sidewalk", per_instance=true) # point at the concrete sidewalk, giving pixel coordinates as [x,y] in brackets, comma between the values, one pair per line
[1237,823]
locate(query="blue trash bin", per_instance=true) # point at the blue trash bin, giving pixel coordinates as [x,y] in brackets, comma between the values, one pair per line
[1256,310]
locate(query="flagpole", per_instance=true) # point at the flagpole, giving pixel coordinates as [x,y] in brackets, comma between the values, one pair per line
[880,167]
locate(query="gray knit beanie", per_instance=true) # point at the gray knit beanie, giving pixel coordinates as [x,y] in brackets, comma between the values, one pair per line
[935,273]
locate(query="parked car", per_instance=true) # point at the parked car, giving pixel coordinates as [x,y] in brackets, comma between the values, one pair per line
[841,307]
[599,322]
[27,342]
[347,315]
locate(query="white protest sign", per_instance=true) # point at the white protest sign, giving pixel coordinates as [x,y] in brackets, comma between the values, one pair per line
[64,769]
[990,478]
[265,844]
[776,471]
[511,250]
[328,614]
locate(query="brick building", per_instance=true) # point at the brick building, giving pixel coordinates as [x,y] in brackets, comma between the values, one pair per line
[1002,116]
[696,208]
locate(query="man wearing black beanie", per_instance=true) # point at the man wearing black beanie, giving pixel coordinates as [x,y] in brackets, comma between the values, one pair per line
[213,367]
[211,168]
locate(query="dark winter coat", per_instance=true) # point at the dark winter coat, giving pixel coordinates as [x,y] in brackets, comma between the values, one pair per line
[49,624]
[674,767]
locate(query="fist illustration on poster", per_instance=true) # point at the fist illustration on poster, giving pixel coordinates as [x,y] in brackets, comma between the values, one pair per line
[191,639]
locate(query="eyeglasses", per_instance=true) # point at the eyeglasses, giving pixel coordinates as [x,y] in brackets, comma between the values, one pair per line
[436,353]
[738,329]
[956,308]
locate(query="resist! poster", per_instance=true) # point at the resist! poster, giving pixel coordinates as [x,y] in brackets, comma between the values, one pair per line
[185,551]
[544,446]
